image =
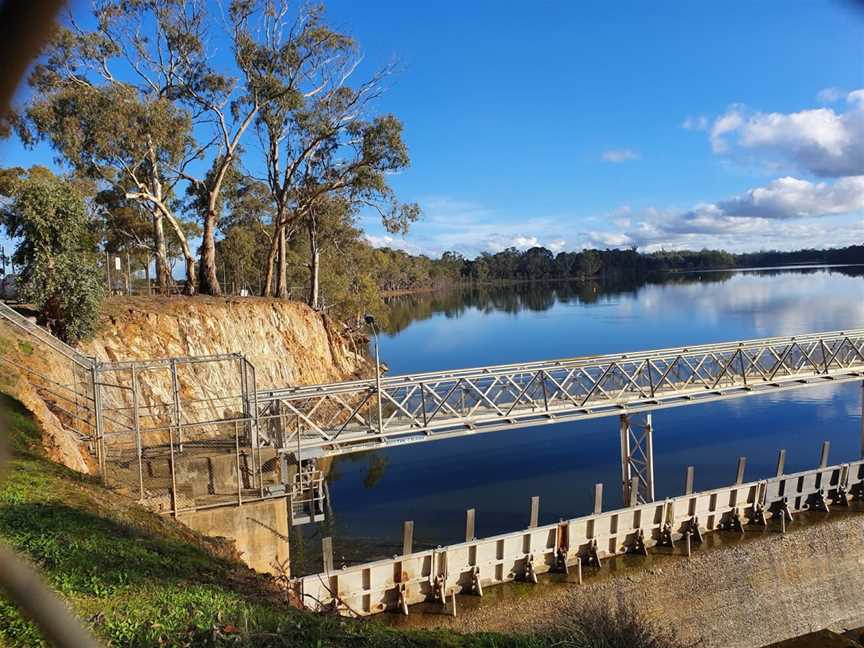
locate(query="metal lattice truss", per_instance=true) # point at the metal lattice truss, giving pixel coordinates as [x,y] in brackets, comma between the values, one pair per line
[347,417]
[637,458]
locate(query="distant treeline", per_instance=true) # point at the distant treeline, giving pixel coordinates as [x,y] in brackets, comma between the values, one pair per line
[402,271]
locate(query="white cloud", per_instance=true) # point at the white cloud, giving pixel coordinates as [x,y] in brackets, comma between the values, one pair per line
[819,141]
[393,243]
[743,235]
[698,123]
[556,245]
[829,95]
[608,240]
[620,155]
[727,123]
[469,228]
[784,214]
[520,242]
[793,198]
[749,221]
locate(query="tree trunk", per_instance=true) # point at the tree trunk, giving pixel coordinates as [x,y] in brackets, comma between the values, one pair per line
[282,274]
[160,252]
[191,274]
[209,280]
[267,290]
[314,263]
[147,274]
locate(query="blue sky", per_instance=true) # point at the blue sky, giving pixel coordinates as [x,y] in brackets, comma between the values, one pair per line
[661,124]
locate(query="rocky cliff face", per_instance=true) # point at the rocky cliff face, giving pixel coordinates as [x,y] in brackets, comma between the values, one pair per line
[287,342]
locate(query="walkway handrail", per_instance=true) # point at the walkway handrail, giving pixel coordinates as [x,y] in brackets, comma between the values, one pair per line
[14,318]
[339,418]
[575,361]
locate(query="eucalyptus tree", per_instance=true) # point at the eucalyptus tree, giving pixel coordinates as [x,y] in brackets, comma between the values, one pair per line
[141,102]
[114,134]
[246,231]
[318,138]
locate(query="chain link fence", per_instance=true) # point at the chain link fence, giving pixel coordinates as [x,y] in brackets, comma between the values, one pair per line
[177,434]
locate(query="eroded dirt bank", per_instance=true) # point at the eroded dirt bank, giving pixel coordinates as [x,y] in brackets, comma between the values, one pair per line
[742,592]
[287,342]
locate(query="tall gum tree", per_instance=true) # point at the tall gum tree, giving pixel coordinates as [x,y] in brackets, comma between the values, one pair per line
[115,135]
[318,137]
[178,113]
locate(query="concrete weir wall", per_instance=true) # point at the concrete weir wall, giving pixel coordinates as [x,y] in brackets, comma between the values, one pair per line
[259,530]
[737,591]
[753,593]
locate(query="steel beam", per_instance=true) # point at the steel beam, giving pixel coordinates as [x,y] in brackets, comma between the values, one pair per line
[637,457]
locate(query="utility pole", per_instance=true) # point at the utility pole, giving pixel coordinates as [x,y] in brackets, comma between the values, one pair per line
[371,322]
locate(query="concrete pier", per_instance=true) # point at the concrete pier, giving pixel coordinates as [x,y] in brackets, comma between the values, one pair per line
[258,529]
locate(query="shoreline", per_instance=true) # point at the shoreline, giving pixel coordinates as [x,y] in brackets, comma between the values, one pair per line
[463,285]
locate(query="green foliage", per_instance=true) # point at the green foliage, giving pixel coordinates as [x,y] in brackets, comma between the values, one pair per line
[538,263]
[56,252]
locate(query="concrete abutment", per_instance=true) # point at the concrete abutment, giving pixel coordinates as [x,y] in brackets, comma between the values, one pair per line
[258,529]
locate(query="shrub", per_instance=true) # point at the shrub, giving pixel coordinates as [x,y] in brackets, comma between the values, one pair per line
[56,251]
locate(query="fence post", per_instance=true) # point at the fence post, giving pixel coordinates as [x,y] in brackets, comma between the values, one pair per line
[781,462]
[237,457]
[408,537]
[823,454]
[173,472]
[253,417]
[535,511]
[739,476]
[137,421]
[97,413]
[171,438]
[624,433]
[598,498]
[327,553]
[688,483]
[469,525]
[175,386]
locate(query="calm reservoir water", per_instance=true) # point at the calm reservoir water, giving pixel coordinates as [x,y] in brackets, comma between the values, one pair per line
[497,473]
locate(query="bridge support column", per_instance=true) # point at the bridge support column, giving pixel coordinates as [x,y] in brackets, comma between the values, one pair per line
[637,457]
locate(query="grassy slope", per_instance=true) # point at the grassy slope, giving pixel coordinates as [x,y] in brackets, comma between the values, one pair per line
[140,579]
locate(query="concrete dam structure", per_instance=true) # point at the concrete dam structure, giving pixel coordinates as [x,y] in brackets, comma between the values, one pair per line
[247,462]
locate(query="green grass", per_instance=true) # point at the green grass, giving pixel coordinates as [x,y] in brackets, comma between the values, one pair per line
[138,579]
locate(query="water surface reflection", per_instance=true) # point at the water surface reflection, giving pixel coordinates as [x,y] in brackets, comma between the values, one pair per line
[497,473]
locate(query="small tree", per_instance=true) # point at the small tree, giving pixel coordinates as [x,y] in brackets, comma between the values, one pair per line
[56,253]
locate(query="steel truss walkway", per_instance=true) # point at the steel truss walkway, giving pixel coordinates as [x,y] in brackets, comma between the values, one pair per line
[342,418]
[262,433]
